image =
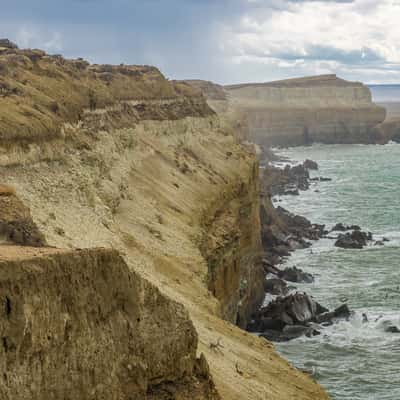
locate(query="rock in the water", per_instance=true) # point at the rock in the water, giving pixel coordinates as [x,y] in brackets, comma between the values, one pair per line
[310,164]
[290,191]
[392,329]
[320,179]
[342,311]
[265,324]
[289,332]
[289,317]
[300,226]
[327,317]
[297,308]
[276,286]
[354,240]
[339,227]
[342,228]
[288,180]
[294,274]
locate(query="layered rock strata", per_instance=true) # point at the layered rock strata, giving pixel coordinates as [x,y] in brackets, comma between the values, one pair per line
[76,326]
[300,111]
[322,109]
[155,175]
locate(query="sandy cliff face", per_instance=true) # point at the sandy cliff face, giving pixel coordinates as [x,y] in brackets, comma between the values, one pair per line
[76,326]
[299,111]
[162,182]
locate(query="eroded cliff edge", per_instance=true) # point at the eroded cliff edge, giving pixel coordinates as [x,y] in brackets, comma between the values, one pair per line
[77,326]
[159,179]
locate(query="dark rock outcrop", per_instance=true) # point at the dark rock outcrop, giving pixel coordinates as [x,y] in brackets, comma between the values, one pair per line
[392,329]
[294,274]
[327,317]
[354,240]
[296,315]
[276,286]
[310,164]
[300,226]
[342,228]
[320,179]
[288,180]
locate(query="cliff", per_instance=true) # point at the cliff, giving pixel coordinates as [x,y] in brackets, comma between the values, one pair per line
[76,326]
[159,179]
[387,131]
[322,109]
[211,90]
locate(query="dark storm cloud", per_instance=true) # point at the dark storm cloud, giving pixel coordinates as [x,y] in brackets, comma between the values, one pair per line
[185,38]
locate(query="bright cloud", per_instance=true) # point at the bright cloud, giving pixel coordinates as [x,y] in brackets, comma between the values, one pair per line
[318,35]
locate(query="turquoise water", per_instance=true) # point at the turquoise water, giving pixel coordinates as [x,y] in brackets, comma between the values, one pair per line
[353,360]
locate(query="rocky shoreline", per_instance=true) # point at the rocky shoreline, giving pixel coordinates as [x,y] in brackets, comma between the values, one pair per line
[288,313]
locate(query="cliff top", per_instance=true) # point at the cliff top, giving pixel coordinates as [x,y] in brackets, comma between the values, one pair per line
[39,92]
[309,81]
[211,90]
[16,252]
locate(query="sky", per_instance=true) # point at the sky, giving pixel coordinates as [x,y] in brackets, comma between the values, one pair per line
[225,41]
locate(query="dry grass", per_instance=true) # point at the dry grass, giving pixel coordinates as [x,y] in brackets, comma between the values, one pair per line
[41,92]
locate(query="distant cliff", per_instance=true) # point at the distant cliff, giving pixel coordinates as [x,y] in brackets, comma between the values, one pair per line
[323,109]
[298,111]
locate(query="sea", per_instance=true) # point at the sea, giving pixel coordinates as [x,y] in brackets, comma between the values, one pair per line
[353,359]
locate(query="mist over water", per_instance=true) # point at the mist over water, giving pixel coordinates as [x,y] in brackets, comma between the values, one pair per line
[351,359]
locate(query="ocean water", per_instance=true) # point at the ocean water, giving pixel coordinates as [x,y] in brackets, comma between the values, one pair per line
[351,359]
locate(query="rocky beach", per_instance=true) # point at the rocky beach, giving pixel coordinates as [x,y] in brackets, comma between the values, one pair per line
[286,313]
[361,273]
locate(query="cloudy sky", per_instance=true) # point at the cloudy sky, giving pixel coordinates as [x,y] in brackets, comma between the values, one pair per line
[226,41]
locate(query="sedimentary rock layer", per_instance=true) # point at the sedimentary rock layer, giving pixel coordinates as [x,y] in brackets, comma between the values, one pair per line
[39,93]
[177,195]
[299,111]
[76,325]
